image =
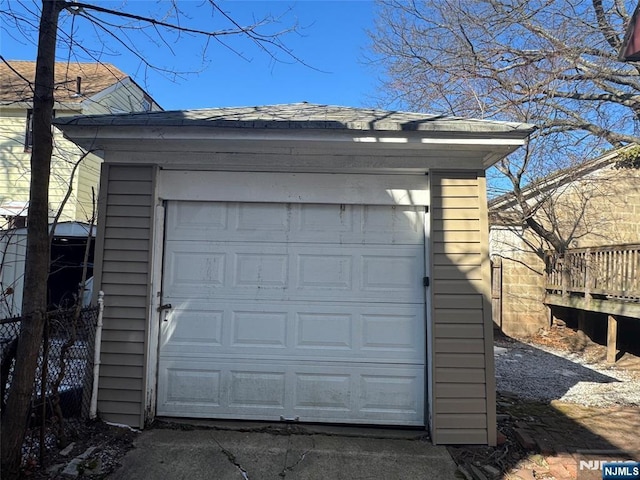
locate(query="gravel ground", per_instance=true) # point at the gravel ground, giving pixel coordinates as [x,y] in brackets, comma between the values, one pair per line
[541,373]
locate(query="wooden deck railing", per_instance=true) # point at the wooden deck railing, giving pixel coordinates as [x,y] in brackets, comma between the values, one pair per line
[609,272]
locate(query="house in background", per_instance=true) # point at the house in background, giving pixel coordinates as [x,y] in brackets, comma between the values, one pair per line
[297,263]
[592,205]
[80,89]
[68,246]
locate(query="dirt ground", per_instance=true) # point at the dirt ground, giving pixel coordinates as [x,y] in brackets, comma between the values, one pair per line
[109,444]
[564,338]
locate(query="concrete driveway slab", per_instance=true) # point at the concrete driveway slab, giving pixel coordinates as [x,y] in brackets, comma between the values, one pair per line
[215,454]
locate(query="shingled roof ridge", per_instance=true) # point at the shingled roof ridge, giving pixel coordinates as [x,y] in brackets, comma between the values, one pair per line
[303,115]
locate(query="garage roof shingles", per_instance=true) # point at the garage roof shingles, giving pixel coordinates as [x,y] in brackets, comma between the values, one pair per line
[301,116]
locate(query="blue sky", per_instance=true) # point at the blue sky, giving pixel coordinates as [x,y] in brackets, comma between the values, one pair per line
[331,38]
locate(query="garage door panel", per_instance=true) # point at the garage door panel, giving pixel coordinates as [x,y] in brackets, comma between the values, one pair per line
[324,331]
[253,389]
[326,219]
[259,270]
[328,271]
[383,395]
[293,311]
[323,391]
[294,272]
[391,331]
[195,219]
[274,390]
[191,386]
[393,273]
[369,333]
[258,329]
[247,218]
[192,326]
[388,393]
[394,224]
[291,223]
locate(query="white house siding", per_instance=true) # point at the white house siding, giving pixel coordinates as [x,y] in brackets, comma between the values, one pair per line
[87,185]
[15,164]
[122,252]
[65,155]
[463,380]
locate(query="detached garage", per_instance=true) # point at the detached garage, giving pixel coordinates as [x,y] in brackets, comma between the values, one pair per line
[297,263]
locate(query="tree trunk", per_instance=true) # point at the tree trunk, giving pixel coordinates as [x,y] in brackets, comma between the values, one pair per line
[34,305]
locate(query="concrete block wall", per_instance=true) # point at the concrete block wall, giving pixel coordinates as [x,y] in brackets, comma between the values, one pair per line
[523,313]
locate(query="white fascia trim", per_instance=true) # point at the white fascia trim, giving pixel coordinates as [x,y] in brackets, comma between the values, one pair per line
[103,132]
[476,141]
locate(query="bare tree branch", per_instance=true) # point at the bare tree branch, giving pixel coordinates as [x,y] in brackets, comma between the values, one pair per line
[552,63]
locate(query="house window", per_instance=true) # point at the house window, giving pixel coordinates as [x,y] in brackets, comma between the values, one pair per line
[28,136]
[146,104]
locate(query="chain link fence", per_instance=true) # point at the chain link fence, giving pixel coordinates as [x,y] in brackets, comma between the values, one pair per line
[63,383]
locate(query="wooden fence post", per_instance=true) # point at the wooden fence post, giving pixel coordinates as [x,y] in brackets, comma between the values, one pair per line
[588,276]
[565,273]
[612,338]
[582,327]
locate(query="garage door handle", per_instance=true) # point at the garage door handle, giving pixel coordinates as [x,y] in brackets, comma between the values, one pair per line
[289,419]
[166,306]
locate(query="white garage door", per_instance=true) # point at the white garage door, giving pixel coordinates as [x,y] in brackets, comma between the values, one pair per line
[293,311]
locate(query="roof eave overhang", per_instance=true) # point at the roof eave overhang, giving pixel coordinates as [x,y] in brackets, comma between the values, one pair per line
[494,145]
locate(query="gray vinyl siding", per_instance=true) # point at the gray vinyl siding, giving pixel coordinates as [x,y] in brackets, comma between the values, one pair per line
[123,253]
[463,385]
